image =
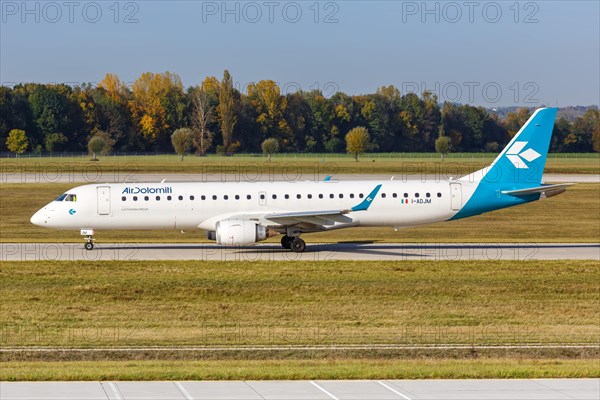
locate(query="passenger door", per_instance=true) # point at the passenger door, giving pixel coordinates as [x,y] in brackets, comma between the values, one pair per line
[455,196]
[103,198]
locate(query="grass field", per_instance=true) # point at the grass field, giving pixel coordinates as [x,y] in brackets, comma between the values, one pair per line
[571,217]
[300,369]
[307,165]
[179,303]
[121,304]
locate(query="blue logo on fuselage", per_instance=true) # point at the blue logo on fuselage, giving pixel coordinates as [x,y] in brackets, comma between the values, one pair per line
[72,212]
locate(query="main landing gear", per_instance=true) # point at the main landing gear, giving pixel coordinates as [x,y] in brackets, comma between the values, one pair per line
[295,244]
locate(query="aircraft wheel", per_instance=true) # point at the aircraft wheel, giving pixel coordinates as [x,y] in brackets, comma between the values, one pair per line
[298,245]
[286,242]
[89,246]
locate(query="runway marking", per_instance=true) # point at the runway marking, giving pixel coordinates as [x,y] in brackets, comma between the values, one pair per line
[323,390]
[394,390]
[183,391]
[115,390]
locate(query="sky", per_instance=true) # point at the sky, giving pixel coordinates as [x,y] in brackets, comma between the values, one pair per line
[493,54]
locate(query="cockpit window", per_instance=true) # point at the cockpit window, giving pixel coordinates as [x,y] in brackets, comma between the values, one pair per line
[67,197]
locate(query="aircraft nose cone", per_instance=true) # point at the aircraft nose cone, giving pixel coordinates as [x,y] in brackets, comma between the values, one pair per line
[37,218]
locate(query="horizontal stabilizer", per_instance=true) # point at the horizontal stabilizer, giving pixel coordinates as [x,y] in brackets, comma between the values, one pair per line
[547,190]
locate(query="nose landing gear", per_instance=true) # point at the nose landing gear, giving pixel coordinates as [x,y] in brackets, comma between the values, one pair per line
[89,238]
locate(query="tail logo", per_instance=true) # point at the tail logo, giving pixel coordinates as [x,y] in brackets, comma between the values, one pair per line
[516,156]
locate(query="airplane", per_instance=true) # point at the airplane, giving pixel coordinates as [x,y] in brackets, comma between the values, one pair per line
[242,214]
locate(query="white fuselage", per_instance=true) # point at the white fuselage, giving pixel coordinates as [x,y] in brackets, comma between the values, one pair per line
[186,205]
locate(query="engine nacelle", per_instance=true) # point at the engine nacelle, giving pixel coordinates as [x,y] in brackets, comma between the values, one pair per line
[233,232]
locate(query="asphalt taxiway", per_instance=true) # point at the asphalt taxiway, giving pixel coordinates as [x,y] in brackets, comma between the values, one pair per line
[314,251]
[481,389]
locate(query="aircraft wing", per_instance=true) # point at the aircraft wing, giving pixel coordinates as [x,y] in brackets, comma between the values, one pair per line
[307,221]
[321,217]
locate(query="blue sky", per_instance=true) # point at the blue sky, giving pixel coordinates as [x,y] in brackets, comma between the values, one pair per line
[500,53]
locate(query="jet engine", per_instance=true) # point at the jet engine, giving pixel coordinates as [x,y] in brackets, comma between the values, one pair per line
[233,232]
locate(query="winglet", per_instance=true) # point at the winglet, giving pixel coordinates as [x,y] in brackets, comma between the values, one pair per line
[364,206]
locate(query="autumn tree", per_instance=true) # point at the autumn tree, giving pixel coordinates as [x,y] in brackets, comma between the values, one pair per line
[202,115]
[442,146]
[114,88]
[357,141]
[270,146]
[227,110]
[515,120]
[17,141]
[182,141]
[157,104]
[265,97]
[581,136]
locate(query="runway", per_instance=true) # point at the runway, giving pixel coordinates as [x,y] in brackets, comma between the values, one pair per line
[251,175]
[314,252]
[483,389]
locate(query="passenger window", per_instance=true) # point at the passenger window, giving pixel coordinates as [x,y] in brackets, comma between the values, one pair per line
[214,197]
[249,197]
[394,195]
[427,195]
[123,198]
[309,196]
[146,198]
[351,195]
[320,195]
[134,198]
[180,197]
[169,198]
[360,195]
[203,197]
[298,196]
[439,195]
[405,195]
[225,197]
[157,198]
[341,195]
[383,195]
[274,197]
[262,196]
[237,196]
[331,196]
[287,196]
[192,197]
[416,195]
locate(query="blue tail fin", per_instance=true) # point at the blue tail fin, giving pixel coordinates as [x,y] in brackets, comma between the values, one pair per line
[519,167]
[522,161]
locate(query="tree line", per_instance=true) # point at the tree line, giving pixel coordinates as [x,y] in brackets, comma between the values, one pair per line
[219,118]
